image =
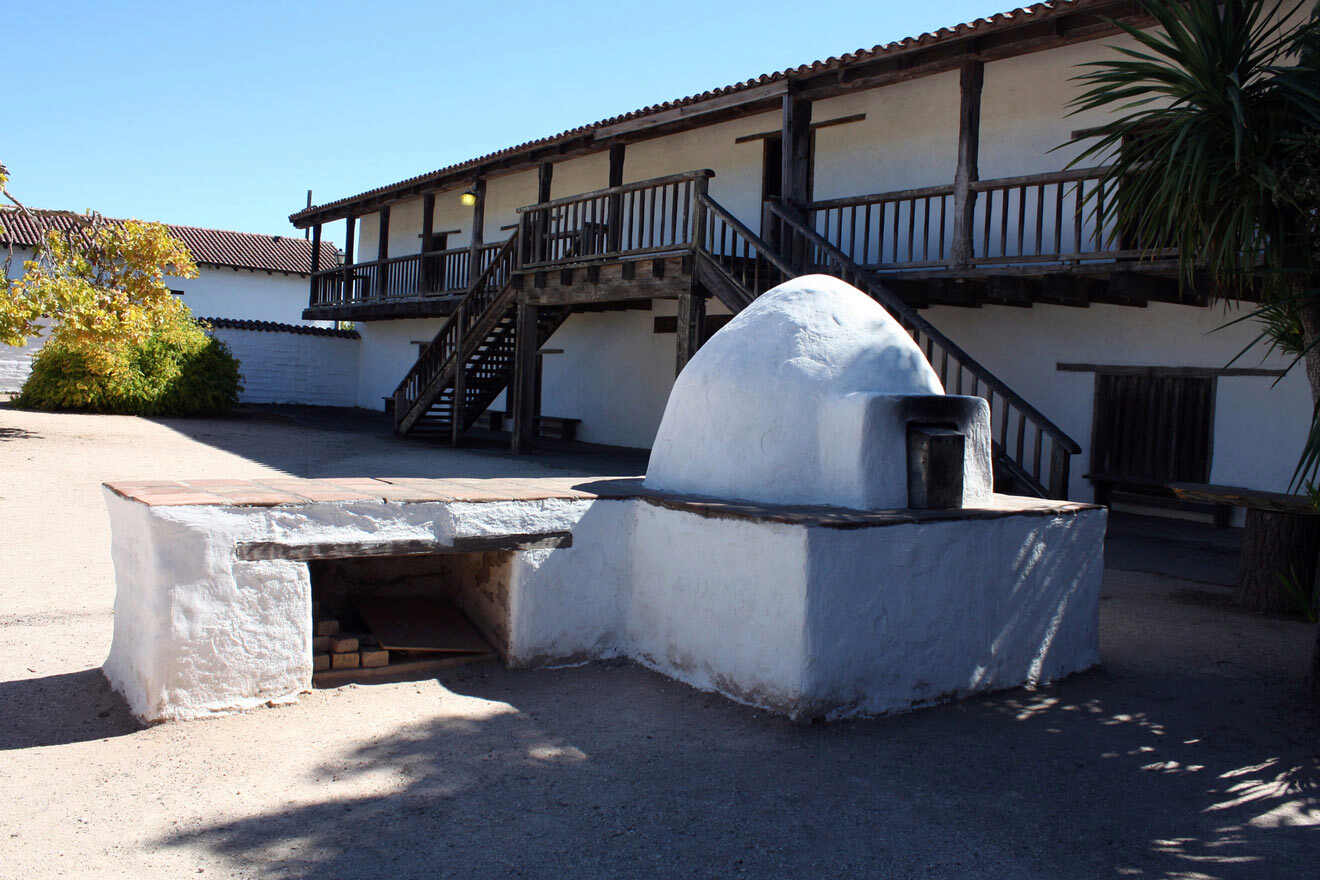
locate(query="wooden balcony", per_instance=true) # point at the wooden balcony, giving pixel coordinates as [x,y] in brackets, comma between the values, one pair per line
[1013,241]
[1019,240]
[412,286]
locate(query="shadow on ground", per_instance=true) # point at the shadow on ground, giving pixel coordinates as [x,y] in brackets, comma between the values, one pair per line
[609,771]
[310,441]
[57,709]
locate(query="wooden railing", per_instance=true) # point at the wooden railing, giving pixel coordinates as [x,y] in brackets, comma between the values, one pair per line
[1059,217]
[434,273]
[640,219]
[736,252]
[463,329]
[1025,439]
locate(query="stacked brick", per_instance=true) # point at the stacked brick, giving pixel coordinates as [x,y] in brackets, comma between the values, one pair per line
[332,649]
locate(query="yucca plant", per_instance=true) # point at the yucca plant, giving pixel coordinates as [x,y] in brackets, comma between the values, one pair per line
[1212,149]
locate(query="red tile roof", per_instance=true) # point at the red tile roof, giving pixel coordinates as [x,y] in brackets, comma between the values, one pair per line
[277,327]
[980,27]
[209,247]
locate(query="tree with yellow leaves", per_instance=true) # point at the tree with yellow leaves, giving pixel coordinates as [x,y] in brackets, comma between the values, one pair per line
[120,340]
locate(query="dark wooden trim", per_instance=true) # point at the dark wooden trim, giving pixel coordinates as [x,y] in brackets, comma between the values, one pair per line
[971,82]
[815,126]
[614,213]
[522,394]
[259,551]
[1198,372]
[690,325]
[478,236]
[316,248]
[544,176]
[428,222]
[693,112]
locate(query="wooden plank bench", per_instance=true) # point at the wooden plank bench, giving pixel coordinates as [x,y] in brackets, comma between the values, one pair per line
[547,427]
[1115,488]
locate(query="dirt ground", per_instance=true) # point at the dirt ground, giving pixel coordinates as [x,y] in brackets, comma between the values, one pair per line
[1191,752]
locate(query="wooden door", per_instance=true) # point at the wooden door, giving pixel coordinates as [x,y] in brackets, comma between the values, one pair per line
[1153,427]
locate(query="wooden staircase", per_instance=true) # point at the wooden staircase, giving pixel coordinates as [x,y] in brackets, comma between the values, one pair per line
[438,400]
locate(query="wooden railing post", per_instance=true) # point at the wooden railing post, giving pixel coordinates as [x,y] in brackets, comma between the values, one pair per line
[314,294]
[350,224]
[971,79]
[697,235]
[1060,465]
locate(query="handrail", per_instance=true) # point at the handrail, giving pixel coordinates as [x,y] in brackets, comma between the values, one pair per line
[619,190]
[755,240]
[448,344]
[1062,445]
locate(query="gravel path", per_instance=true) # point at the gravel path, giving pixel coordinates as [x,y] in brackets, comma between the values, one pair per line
[1190,753]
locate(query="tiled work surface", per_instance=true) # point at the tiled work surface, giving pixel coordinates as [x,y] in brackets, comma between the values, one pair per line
[271,492]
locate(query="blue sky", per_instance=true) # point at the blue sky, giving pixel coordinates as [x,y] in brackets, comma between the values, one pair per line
[225,114]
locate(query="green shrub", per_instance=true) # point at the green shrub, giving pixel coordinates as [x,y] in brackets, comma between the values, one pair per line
[178,371]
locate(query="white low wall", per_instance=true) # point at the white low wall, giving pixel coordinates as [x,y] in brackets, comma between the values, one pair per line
[16,363]
[289,367]
[799,618]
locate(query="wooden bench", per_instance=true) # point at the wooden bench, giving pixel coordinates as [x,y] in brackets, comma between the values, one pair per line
[1115,488]
[547,427]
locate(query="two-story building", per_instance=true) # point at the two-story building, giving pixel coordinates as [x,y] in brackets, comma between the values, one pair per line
[567,278]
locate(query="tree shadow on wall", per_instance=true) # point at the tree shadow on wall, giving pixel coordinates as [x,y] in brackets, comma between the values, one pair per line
[610,770]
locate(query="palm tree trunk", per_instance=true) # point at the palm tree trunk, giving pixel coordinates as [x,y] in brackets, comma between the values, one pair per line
[1311,335]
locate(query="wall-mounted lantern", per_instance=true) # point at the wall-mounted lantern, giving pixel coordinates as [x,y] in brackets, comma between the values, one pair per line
[468,198]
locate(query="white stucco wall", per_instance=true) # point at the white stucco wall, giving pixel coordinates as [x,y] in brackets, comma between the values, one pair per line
[1259,428]
[279,367]
[216,292]
[800,619]
[386,354]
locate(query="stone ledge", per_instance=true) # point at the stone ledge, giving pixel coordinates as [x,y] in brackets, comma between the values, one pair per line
[295,491]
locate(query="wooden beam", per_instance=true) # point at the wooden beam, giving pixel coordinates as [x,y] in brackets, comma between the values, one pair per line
[478,230]
[691,324]
[544,175]
[815,126]
[614,213]
[694,111]
[971,80]
[382,251]
[796,153]
[260,551]
[523,392]
[316,248]
[350,231]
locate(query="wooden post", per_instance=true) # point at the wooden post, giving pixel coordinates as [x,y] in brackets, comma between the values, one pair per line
[460,377]
[1060,466]
[971,79]
[316,262]
[478,231]
[691,325]
[427,274]
[614,227]
[350,224]
[523,392]
[795,170]
[382,252]
[539,224]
